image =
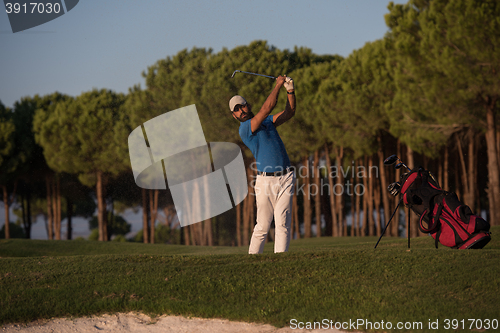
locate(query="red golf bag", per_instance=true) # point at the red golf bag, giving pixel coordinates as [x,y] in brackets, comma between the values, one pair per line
[441,214]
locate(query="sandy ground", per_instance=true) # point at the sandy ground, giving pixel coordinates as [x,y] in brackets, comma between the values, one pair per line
[140,323]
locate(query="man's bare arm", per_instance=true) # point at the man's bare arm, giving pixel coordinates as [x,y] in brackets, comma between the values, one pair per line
[268,106]
[289,111]
[286,114]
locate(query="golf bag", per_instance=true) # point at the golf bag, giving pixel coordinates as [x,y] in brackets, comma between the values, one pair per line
[441,214]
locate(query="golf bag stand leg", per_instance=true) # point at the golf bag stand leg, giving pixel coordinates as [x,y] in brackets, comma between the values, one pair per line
[385,228]
[408,227]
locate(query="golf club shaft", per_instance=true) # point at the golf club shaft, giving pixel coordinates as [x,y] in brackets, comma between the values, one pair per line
[404,164]
[238,71]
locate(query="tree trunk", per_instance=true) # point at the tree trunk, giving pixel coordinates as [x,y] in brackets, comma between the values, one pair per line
[248,215]
[426,162]
[353,203]
[207,232]
[145,227]
[50,232]
[409,156]
[204,233]
[357,199]
[54,207]
[340,198]
[364,220]
[317,197]
[395,223]
[153,206]
[27,225]
[327,217]
[446,185]
[246,219]
[59,208]
[192,233]
[411,164]
[238,224]
[493,173]
[69,216]
[23,211]
[465,181]
[440,171]
[185,231]
[296,215]
[6,207]
[199,234]
[46,225]
[473,165]
[371,222]
[497,136]
[307,200]
[396,218]
[210,233]
[383,180]
[251,207]
[458,188]
[55,210]
[101,207]
[472,170]
[332,192]
[376,198]
[389,178]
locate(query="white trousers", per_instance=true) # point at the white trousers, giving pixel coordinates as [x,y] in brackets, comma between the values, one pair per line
[274,197]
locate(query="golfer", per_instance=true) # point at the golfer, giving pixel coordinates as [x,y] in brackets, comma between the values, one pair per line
[274,185]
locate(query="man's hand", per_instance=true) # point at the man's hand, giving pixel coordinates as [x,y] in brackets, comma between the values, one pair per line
[288,84]
[280,80]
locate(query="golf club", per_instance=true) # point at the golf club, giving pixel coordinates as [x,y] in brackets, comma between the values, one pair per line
[394,188]
[238,71]
[393,159]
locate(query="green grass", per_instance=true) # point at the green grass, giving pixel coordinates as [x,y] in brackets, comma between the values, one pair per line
[338,279]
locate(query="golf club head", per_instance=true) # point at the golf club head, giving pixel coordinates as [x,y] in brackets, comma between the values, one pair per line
[394,188]
[391,160]
[234,73]
[398,166]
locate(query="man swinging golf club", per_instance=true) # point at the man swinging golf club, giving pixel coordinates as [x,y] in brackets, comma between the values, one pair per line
[274,185]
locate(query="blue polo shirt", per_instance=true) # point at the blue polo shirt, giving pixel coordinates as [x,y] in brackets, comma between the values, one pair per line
[265,145]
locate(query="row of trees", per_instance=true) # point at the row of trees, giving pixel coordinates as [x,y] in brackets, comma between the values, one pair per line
[427,91]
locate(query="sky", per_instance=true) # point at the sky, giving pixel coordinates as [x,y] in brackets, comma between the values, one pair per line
[109,43]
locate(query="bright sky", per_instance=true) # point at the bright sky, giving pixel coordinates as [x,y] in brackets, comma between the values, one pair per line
[109,43]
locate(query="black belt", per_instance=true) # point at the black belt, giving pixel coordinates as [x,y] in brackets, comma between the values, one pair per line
[274,174]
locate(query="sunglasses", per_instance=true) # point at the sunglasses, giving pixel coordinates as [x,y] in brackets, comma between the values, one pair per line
[239,107]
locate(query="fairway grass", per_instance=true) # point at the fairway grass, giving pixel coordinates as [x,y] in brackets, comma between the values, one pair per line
[338,279]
